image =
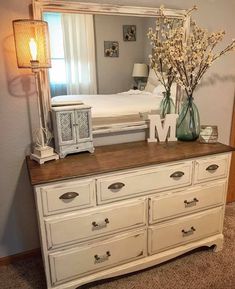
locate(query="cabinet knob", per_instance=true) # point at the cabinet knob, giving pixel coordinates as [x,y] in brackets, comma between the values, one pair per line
[212,168]
[69,195]
[116,186]
[177,174]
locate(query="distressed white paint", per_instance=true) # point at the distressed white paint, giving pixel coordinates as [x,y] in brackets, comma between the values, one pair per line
[127,242]
[74,142]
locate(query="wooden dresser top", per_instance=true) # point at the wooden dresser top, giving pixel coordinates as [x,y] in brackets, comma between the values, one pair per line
[118,157]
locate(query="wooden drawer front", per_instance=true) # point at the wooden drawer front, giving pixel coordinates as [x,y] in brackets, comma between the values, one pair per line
[69,264]
[184,230]
[213,167]
[81,145]
[75,227]
[186,202]
[149,180]
[66,197]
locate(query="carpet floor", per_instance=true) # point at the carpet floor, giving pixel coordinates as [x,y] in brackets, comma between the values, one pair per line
[201,269]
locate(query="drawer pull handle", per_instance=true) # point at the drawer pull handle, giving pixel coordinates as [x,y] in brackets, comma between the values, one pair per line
[102,258]
[212,168]
[69,195]
[116,186]
[189,232]
[193,202]
[101,224]
[177,174]
[140,254]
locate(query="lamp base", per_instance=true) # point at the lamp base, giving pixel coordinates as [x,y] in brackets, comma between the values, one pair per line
[43,154]
[42,160]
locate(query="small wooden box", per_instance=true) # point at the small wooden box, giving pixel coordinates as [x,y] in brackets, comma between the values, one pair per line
[208,134]
[72,129]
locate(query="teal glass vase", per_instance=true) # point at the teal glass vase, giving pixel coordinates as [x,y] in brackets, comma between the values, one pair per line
[188,123]
[167,105]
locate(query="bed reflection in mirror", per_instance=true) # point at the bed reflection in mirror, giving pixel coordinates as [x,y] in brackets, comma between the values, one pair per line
[85,69]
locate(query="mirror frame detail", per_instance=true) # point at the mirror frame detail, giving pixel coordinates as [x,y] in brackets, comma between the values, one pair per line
[40,6]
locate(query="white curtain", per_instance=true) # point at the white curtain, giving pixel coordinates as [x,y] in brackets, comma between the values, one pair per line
[79,50]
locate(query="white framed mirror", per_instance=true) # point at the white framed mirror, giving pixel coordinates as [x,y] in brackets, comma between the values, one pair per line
[110,45]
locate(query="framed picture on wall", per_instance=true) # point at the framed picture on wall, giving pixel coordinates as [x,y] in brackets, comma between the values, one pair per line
[111,49]
[129,32]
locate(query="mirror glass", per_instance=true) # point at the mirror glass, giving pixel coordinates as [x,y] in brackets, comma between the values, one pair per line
[95,54]
[103,61]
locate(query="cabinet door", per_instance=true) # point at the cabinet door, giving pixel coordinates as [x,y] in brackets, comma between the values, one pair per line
[66,127]
[83,124]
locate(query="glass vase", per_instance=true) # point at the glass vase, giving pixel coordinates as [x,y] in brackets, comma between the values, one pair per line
[188,123]
[167,105]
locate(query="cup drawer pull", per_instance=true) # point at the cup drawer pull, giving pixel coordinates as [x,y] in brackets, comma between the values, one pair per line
[69,195]
[188,232]
[100,225]
[116,186]
[212,168]
[177,174]
[102,258]
[191,203]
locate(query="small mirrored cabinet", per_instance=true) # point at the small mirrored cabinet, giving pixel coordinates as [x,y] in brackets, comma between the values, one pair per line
[72,129]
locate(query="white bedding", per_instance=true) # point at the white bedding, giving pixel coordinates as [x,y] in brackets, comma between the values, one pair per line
[107,105]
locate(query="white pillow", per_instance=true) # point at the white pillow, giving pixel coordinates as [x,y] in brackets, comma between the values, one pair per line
[152,81]
[149,87]
[152,78]
[160,89]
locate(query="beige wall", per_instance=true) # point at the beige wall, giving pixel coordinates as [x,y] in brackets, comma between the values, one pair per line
[18,108]
[17,215]
[115,74]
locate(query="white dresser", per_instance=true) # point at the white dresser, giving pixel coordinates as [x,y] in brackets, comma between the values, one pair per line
[128,207]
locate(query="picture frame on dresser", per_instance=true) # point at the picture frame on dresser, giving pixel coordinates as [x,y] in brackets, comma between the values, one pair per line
[128,207]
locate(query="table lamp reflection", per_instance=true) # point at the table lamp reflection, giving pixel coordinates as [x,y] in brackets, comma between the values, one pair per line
[140,74]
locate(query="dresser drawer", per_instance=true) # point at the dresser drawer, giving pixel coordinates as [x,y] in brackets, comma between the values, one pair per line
[72,263]
[126,185]
[212,167]
[183,230]
[185,202]
[69,196]
[81,145]
[74,227]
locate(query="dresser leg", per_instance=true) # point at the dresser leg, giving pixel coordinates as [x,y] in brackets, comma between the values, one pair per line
[91,150]
[218,246]
[62,155]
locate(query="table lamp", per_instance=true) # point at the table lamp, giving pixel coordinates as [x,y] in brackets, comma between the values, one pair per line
[33,51]
[140,72]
